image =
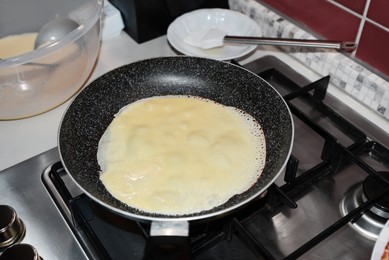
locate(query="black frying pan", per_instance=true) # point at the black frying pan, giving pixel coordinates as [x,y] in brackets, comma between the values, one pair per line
[93,109]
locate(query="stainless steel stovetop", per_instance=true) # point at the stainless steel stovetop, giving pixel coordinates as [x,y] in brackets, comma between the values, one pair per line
[318,209]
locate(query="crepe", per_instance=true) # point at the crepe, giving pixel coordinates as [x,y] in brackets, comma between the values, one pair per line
[179,155]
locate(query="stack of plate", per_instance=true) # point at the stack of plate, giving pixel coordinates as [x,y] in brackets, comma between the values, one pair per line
[231,22]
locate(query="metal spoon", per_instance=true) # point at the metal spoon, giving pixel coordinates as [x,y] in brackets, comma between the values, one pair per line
[54,30]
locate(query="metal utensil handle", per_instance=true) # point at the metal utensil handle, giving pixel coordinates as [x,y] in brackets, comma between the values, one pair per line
[345,46]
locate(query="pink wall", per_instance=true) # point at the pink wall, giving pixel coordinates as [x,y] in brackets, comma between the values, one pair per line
[363,21]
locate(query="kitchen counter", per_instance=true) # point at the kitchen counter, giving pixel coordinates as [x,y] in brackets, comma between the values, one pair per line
[25,138]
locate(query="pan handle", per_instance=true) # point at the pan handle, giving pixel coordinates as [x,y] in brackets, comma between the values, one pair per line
[168,240]
[168,248]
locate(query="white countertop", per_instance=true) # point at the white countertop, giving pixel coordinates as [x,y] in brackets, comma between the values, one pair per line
[25,138]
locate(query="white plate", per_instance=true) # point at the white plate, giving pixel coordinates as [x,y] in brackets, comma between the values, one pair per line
[232,22]
[381,242]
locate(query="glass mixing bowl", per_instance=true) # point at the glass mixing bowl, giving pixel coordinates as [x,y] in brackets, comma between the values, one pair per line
[42,79]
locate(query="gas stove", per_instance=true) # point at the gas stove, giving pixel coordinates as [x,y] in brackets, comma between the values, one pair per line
[331,201]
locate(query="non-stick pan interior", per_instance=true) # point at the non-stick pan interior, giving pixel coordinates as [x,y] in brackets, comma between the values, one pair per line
[94,108]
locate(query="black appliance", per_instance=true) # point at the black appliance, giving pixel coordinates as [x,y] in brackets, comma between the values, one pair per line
[147,19]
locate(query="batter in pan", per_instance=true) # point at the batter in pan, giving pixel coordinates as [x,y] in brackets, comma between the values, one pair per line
[178,155]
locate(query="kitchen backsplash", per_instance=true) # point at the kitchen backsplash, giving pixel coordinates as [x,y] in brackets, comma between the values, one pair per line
[363,21]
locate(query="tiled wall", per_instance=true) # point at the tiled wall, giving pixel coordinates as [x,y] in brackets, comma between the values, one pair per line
[346,74]
[363,21]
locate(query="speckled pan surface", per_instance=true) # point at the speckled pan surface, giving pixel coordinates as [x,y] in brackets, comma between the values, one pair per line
[93,109]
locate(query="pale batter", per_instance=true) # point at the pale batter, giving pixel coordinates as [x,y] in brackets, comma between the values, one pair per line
[179,155]
[15,45]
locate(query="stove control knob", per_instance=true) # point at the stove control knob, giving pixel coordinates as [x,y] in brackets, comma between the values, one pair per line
[12,229]
[20,252]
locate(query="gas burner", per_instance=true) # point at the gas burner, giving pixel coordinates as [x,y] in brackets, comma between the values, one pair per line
[373,220]
[371,187]
[12,229]
[20,251]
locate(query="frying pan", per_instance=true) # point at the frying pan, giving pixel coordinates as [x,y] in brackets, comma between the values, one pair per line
[93,109]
